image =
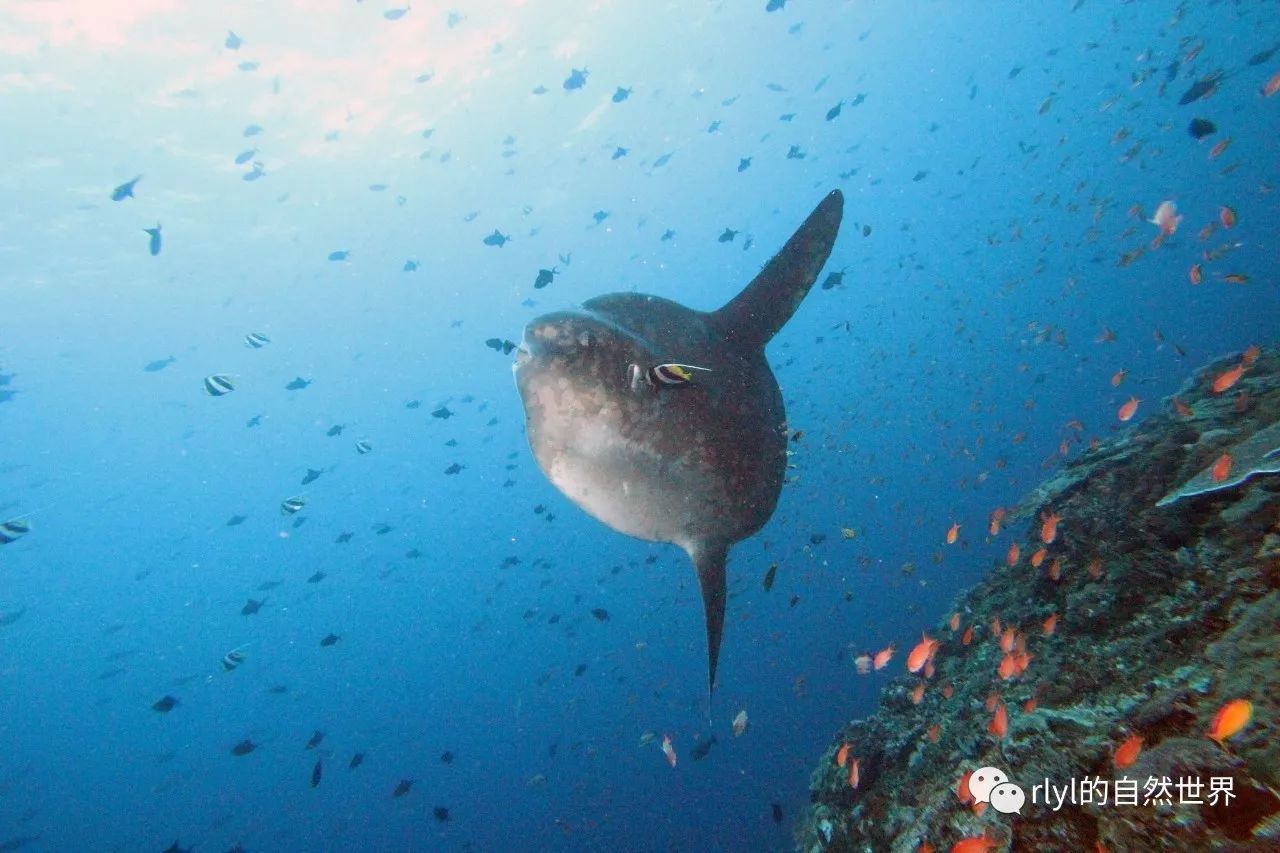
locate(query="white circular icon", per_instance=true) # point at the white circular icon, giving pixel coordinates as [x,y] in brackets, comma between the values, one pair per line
[1008,797]
[983,780]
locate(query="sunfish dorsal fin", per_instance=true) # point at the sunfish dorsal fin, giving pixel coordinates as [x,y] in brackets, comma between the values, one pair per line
[709,558]
[765,305]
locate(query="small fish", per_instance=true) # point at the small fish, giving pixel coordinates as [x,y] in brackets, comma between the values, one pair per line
[256,340]
[232,659]
[1230,720]
[576,79]
[999,725]
[1217,150]
[1166,219]
[316,772]
[663,159]
[363,446]
[153,245]
[769,576]
[243,748]
[545,277]
[740,723]
[289,506]
[164,704]
[455,468]
[1227,378]
[446,757]
[1271,86]
[315,740]
[1201,127]
[853,772]
[727,236]
[668,750]
[1196,274]
[218,384]
[1127,752]
[600,613]
[253,421]
[777,812]
[953,532]
[158,365]
[1049,527]
[233,41]
[330,639]
[922,653]
[312,475]
[125,190]
[356,761]
[862,663]
[252,606]
[1227,216]
[662,374]
[317,576]
[621,95]
[343,537]
[402,787]
[335,430]
[1221,468]
[13,530]
[702,748]
[882,657]
[744,164]
[245,156]
[298,383]
[1128,410]
[339,254]
[501,345]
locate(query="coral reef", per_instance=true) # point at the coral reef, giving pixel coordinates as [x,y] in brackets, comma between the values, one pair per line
[1139,620]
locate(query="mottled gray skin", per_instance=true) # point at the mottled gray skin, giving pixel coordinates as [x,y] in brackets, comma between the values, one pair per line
[698,465]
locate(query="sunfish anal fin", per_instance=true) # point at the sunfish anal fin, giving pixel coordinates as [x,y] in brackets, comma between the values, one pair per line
[709,559]
[765,305]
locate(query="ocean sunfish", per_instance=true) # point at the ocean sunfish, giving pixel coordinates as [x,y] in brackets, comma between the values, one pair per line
[697,463]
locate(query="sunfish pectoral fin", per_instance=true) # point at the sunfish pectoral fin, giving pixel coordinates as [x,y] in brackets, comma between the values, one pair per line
[765,305]
[709,559]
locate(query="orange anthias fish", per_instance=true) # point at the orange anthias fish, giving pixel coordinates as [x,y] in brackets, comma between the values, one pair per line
[917,694]
[934,733]
[1216,151]
[975,843]
[1011,558]
[920,655]
[842,757]
[1055,569]
[968,636]
[1049,527]
[999,725]
[997,517]
[955,622]
[1227,217]
[1196,274]
[1008,667]
[1228,378]
[1118,377]
[1128,410]
[668,750]
[953,532]
[1038,557]
[1095,568]
[1166,218]
[1250,355]
[1272,86]
[1183,410]
[1007,638]
[1127,752]
[1050,624]
[1236,278]
[1230,719]
[853,773]
[882,657]
[1221,468]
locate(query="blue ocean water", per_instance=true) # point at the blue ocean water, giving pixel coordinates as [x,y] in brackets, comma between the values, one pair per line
[999,164]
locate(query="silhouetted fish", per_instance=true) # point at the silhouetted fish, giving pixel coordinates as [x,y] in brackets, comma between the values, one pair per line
[455,468]
[621,95]
[727,236]
[252,606]
[159,364]
[164,704]
[243,748]
[356,761]
[576,79]
[446,757]
[1199,128]
[402,787]
[335,430]
[153,245]
[339,255]
[313,474]
[777,812]
[600,613]
[330,639]
[316,771]
[497,238]
[1202,88]
[125,190]
[441,813]
[7,619]
[702,747]
[343,537]
[442,413]
[233,41]
[769,576]
[245,156]
[315,740]
[298,383]
[545,277]
[317,577]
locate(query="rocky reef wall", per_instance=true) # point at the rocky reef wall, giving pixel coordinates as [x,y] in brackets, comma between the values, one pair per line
[1139,620]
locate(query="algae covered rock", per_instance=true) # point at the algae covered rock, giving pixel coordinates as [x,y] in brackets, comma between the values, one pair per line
[1097,675]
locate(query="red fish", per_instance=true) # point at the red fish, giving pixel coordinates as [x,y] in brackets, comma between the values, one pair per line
[1128,410]
[1228,378]
[1272,86]
[1049,527]
[1118,377]
[1196,274]
[999,725]
[1011,558]
[1221,468]
[1050,623]
[1216,151]
[668,750]
[882,657]
[920,655]
[1127,752]
[1166,218]
[1227,217]
[953,532]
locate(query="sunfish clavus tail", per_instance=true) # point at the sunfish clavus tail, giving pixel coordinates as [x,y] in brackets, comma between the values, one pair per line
[698,463]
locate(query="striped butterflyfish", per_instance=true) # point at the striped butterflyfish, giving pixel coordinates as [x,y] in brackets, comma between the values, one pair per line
[232,659]
[217,384]
[13,530]
[289,506]
[257,340]
[662,374]
[363,447]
